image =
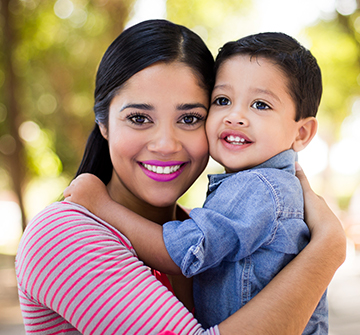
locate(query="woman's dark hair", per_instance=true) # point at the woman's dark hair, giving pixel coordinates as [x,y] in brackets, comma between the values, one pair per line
[296,62]
[133,50]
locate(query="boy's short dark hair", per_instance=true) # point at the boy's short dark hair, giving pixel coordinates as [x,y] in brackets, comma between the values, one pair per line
[298,64]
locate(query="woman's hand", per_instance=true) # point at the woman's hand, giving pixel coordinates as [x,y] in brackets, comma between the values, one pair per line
[322,222]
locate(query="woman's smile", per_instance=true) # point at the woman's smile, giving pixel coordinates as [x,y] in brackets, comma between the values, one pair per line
[162,171]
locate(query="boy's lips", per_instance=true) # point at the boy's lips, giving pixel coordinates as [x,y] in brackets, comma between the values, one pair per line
[162,171]
[235,138]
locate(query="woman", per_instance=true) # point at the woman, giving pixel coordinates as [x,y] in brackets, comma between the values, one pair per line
[77,274]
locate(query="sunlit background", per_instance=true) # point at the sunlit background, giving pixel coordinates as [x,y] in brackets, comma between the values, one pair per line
[48,58]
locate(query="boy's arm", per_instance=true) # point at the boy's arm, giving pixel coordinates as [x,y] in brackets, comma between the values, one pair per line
[145,236]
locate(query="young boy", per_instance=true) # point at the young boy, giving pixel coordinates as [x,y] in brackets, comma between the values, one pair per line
[263,107]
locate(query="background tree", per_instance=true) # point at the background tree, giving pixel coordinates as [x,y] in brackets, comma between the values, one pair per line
[48,59]
[49,54]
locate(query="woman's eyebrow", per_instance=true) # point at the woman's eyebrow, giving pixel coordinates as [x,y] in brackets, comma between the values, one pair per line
[186,107]
[146,107]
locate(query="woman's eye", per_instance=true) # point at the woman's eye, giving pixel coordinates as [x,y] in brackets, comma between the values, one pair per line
[260,105]
[191,119]
[222,101]
[138,119]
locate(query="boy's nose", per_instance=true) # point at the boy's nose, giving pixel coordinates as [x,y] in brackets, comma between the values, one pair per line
[236,118]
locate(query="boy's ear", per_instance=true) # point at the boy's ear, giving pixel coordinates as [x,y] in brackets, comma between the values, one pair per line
[103,130]
[306,132]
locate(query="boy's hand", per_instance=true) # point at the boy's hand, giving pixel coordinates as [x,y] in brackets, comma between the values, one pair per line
[87,190]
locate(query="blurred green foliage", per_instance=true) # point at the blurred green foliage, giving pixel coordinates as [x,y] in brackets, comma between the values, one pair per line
[337,52]
[55,49]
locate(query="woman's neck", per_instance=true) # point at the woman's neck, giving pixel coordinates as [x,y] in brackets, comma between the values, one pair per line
[159,215]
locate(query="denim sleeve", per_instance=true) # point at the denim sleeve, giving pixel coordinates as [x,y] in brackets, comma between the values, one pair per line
[233,223]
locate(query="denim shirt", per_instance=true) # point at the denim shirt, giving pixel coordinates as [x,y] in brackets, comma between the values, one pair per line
[250,227]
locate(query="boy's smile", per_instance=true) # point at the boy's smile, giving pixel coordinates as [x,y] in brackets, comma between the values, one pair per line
[252,115]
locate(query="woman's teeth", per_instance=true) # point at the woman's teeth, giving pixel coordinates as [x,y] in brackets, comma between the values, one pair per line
[235,140]
[162,169]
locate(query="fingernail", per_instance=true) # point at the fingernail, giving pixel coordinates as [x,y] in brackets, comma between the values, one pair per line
[298,166]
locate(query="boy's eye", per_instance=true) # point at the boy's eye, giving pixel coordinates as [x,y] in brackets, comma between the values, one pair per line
[222,101]
[260,105]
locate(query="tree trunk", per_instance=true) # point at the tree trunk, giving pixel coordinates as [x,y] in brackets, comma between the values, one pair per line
[15,160]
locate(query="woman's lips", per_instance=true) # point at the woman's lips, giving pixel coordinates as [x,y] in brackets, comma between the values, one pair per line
[162,171]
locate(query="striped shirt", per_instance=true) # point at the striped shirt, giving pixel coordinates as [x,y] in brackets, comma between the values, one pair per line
[78,275]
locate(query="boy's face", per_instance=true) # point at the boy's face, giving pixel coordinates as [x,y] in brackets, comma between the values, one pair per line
[252,115]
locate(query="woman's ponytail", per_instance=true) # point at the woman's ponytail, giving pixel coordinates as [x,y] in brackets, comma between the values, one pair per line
[96,159]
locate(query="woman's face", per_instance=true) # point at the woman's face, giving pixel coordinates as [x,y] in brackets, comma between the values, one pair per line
[156,136]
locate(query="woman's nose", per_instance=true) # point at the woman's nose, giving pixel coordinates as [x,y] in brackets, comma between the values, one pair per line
[165,142]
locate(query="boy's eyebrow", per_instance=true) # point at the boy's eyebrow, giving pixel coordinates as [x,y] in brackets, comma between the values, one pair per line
[146,107]
[220,86]
[268,92]
[255,90]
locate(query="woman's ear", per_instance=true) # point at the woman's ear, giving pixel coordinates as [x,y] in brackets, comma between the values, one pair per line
[307,129]
[103,130]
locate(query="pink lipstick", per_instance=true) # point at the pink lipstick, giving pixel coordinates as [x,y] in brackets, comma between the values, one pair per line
[162,171]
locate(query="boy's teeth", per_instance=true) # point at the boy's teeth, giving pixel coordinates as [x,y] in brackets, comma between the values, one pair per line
[162,169]
[235,140]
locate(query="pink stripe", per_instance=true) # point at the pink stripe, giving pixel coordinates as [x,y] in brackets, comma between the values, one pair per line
[108,226]
[115,232]
[37,311]
[83,276]
[44,322]
[179,322]
[182,329]
[40,229]
[36,317]
[105,302]
[93,290]
[62,331]
[175,304]
[127,305]
[68,266]
[43,268]
[130,282]
[45,329]
[59,252]
[29,239]
[65,268]
[29,229]
[34,246]
[150,318]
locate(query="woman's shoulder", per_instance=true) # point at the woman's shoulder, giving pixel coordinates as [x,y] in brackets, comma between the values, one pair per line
[70,221]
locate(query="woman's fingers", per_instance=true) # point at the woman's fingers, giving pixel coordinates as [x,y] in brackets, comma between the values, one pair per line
[302,178]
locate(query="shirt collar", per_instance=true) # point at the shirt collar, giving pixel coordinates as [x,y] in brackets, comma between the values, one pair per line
[283,161]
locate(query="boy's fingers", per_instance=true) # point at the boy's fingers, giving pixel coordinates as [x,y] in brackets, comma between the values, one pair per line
[67,191]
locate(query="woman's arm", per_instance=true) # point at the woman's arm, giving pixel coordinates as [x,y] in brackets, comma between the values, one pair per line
[77,274]
[286,304]
[145,236]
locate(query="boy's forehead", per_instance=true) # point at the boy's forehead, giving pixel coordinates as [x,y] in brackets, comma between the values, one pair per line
[256,67]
